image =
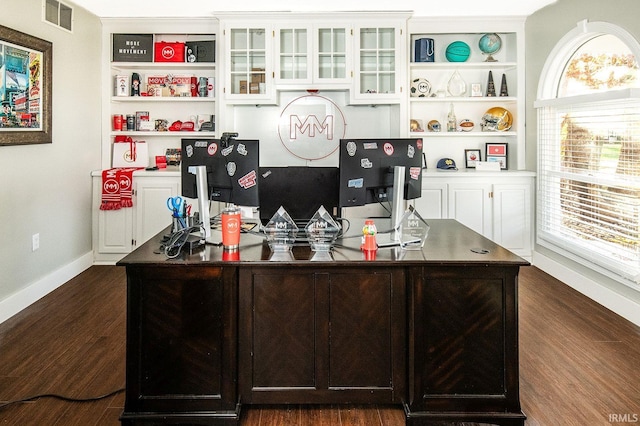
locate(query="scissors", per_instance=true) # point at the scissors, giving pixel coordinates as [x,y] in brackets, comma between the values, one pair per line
[175,205]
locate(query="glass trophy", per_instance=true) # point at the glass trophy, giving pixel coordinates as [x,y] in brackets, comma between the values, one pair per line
[413,230]
[281,232]
[321,232]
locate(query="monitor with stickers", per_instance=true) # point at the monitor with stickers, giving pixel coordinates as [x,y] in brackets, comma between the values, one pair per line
[367,170]
[232,169]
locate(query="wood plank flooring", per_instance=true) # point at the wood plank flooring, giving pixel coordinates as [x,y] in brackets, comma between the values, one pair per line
[579,362]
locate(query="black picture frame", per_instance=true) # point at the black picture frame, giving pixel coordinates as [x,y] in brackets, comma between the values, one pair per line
[25,117]
[497,152]
[471,156]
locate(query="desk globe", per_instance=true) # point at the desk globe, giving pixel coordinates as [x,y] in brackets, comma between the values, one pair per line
[490,44]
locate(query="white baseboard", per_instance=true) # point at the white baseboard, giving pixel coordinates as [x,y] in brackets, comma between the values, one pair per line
[626,308]
[35,291]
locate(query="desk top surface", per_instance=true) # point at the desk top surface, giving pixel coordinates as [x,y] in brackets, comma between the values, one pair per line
[449,242]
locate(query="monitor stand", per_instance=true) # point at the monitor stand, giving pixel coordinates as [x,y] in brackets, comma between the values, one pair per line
[397,203]
[203,200]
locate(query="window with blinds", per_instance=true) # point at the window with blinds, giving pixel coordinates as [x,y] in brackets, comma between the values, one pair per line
[589,161]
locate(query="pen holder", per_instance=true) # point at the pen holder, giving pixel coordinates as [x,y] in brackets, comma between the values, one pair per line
[180,223]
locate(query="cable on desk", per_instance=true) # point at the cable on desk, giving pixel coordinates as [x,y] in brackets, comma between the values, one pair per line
[176,241]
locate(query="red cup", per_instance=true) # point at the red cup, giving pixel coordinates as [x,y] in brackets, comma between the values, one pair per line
[117,122]
[230,228]
[230,255]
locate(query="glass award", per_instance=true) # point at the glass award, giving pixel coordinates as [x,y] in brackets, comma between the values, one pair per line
[456,85]
[281,232]
[321,232]
[413,230]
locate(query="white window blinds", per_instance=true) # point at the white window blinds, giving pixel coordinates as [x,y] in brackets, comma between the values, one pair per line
[589,180]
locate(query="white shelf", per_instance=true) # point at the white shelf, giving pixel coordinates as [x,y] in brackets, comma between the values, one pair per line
[471,134]
[488,99]
[461,65]
[180,134]
[162,65]
[162,99]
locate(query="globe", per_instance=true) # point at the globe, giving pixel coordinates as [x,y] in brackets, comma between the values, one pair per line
[490,44]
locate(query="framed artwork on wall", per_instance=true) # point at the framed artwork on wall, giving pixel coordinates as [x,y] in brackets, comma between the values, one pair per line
[25,88]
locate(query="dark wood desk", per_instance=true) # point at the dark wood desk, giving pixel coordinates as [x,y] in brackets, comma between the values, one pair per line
[433,330]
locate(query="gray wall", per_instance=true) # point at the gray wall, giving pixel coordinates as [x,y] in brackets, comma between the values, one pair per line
[46,189]
[543,30]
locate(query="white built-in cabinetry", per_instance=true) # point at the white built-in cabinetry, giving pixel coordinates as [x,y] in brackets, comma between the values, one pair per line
[509,62]
[168,108]
[117,232]
[363,53]
[498,205]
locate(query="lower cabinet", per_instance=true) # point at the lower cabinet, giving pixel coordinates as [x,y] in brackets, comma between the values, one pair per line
[118,232]
[463,346]
[314,336]
[496,205]
[181,327]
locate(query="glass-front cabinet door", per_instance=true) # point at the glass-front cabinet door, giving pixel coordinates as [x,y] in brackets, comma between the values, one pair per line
[316,55]
[294,55]
[250,74]
[332,54]
[378,59]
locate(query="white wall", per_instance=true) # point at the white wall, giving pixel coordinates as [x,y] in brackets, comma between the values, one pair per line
[543,30]
[46,189]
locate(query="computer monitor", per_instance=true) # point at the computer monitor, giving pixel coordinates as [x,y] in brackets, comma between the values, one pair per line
[232,169]
[367,170]
[300,190]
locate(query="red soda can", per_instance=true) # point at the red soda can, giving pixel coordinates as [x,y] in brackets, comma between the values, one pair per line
[194,87]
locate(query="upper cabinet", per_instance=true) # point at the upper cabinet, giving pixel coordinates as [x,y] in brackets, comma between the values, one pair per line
[313,56]
[273,53]
[379,63]
[249,57]
[469,72]
[332,46]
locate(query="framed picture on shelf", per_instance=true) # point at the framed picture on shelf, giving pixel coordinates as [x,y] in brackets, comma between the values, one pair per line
[497,152]
[471,156]
[476,90]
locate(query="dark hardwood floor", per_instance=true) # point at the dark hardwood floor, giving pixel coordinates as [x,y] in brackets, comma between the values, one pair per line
[579,362]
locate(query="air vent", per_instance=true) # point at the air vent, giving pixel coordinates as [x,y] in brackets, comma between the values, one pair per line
[58,14]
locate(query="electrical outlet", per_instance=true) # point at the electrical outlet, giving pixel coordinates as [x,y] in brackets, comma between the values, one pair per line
[35,242]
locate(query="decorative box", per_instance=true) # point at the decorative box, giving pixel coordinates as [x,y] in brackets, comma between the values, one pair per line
[200,51]
[168,51]
[132,48]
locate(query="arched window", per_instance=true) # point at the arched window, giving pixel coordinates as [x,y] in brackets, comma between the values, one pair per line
[589,150]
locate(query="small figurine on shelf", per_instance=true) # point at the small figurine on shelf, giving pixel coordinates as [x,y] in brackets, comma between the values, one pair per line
[135,84]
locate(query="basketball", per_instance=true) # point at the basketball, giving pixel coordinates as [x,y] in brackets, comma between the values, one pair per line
[458,51]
